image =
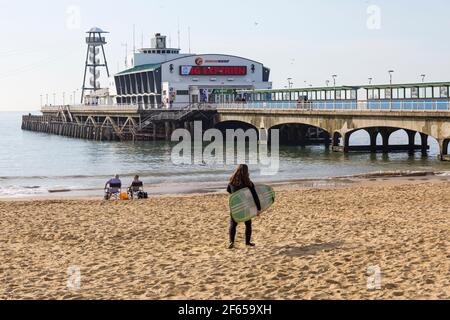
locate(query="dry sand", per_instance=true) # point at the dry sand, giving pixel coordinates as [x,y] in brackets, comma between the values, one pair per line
[313,244]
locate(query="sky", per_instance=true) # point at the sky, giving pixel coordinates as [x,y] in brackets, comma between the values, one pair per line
[42,47]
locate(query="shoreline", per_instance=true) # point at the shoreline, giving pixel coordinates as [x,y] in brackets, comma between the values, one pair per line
[387,178]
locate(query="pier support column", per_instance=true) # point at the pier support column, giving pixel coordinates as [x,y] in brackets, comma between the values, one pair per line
[443,144]
[263,136]
[167,130]
[373,133]
[155,131]
[424,142]
[327,140]
[338,142]
[411,141]
[386,134]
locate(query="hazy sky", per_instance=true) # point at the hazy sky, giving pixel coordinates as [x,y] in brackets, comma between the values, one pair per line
[42,42]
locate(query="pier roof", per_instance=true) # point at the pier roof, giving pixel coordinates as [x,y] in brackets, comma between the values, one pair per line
[408,85]
[308,89]
[141,68]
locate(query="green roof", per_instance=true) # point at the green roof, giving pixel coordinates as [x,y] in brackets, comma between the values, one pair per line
[141,68]
[309,89]
[409,85]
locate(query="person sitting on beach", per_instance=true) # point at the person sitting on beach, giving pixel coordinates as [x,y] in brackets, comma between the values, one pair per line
[112,186]
[136,188]
[241,180]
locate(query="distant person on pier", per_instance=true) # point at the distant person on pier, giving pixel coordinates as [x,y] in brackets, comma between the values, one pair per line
[241,180]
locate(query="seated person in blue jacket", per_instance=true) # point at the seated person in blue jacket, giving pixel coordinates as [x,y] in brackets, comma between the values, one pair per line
[114,181]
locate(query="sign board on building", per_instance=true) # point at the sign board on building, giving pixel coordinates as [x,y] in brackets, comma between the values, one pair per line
[213,70]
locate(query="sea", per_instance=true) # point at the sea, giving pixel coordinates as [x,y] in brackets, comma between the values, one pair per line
[34,165]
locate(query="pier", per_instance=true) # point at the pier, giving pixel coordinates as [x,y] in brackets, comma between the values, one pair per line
[302,125]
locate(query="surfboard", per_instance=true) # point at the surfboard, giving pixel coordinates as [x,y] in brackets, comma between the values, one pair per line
[242,204]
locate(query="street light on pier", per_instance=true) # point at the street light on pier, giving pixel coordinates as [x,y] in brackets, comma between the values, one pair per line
[334,89]
[390,76]
[290,83]
[54,99]
[41,100]
[64,98]
[46,99]
[328,83]
[370,81]
[391,93]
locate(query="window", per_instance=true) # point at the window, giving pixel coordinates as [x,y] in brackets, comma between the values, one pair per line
[444,92]
[436,92]
[401,93]
[376,94]
[422,93]
[322,95]
[408,93]
[414,93]
[338,95]
[182,92]
[429,92]
[382,94]
[388,93]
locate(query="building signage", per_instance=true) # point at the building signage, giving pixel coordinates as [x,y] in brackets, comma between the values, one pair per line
[213,71]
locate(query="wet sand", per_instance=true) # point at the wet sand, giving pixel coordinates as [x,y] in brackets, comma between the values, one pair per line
[315,243]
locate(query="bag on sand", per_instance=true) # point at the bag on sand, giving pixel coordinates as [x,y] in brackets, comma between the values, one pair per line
[124,196]
[142,195]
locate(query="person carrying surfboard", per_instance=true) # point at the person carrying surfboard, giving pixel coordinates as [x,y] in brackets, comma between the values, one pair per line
[241,180]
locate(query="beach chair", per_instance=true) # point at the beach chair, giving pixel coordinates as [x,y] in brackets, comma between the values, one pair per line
[113,191]
[137,190]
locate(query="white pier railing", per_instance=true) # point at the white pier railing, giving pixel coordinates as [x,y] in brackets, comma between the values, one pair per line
[394,106]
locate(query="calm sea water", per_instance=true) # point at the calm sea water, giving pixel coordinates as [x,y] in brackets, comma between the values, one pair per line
[31,164]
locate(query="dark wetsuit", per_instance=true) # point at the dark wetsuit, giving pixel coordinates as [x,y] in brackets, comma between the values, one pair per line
[248,225]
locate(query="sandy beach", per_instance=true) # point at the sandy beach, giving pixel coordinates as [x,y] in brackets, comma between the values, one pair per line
[313,244]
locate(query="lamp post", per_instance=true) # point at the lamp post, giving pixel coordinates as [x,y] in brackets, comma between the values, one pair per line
[334,89]
[390,80]
[46,99]
[54,99]
[390,76]
[370,81]
[41,100]
[327,83]
[64,98]
[290,83]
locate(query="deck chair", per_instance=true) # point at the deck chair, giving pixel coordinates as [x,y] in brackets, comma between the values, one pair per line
[136,189]
[113,191]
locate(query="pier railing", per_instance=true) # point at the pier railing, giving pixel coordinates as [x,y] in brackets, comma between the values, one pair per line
[394,105]
[382,105]
[92,108]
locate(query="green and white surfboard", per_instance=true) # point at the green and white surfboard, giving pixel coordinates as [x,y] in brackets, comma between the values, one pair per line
[242,204]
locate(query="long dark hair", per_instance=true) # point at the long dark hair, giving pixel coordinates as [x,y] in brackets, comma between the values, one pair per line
[241,177]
